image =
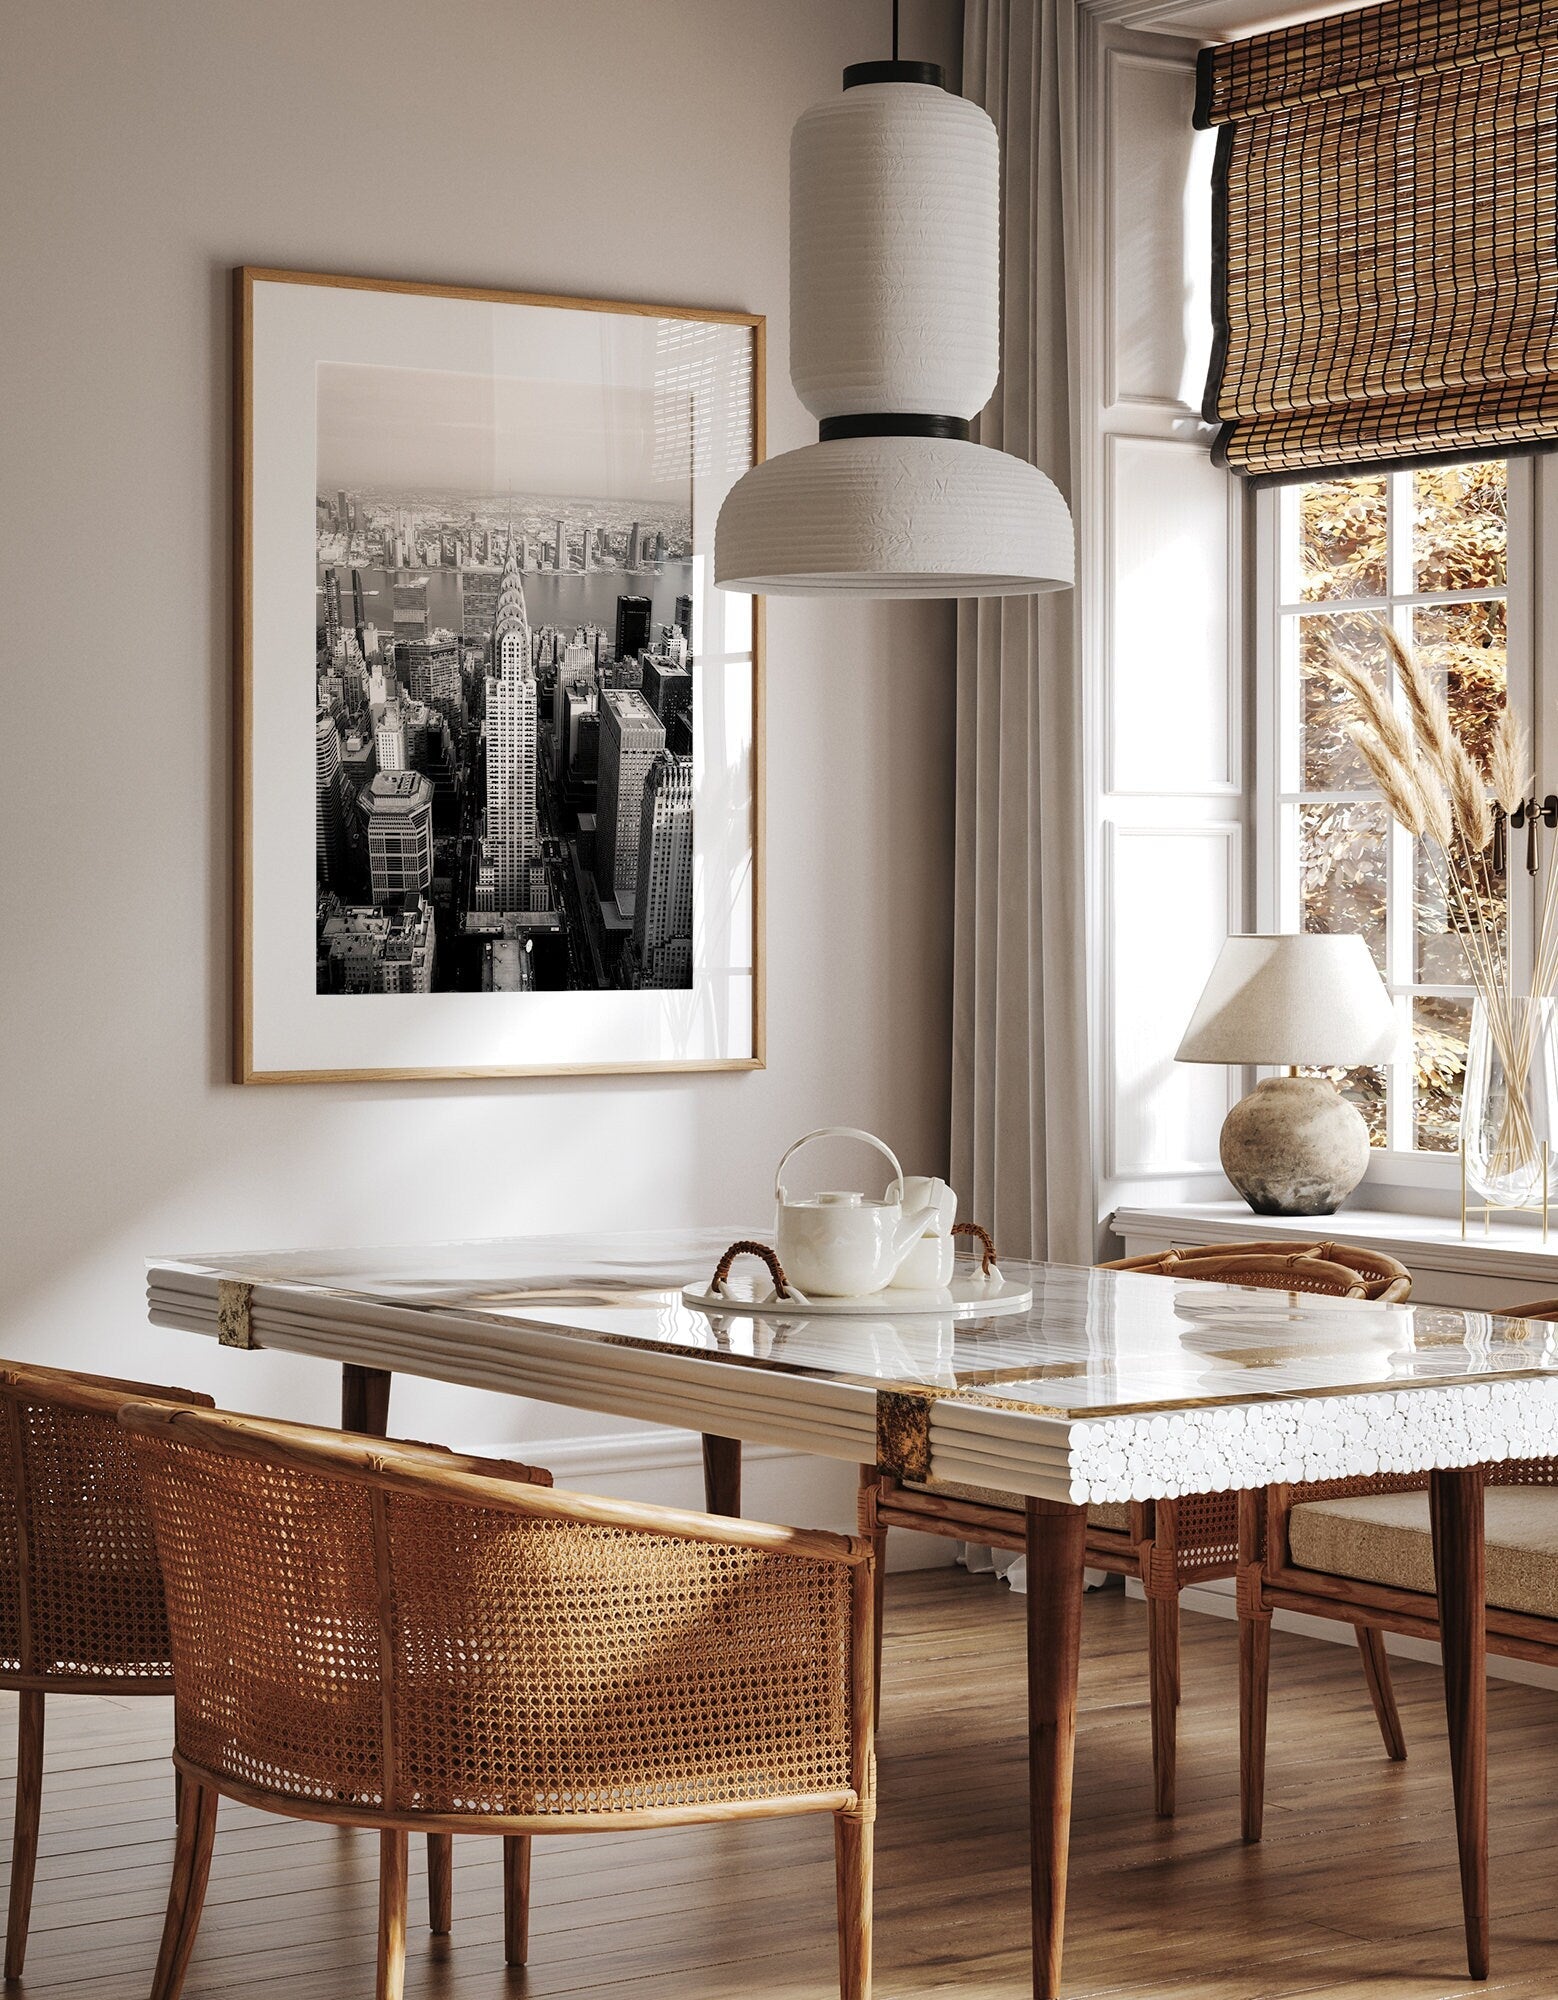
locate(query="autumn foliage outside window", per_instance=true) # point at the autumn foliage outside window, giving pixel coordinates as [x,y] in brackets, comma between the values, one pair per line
[1426,550]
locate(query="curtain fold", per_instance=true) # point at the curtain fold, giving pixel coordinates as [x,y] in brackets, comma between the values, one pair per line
[1022,1155]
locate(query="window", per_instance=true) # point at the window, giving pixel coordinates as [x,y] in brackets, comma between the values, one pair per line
[1442,554]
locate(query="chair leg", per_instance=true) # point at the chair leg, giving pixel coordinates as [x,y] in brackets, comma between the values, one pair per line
[440,1883]
[1254,1681]
[1376,1671]
[516,1898]
[392,1916]
[24,1841]
[852,1853]
[187,1891]
[1163,1667]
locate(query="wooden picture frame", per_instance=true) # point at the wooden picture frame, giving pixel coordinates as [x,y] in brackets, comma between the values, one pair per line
[521,904]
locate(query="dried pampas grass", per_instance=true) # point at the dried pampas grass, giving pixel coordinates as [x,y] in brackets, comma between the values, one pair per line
[1396,778]
[1509,762]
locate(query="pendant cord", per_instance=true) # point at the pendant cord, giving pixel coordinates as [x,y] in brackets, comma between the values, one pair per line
[895,30]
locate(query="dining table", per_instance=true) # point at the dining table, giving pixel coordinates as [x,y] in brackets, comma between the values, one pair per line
[1105,1386]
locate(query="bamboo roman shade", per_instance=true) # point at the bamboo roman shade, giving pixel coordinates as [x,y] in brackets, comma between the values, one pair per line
[1385,236]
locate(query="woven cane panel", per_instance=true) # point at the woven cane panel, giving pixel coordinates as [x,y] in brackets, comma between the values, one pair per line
[556,1666]
[1347,1489]
[10,1554]
[1206,1535]
[273,1604]
[1524,1472]
[477,1660]
[1387,207]
[94,1587]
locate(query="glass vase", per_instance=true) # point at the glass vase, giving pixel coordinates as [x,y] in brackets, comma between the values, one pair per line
[1509,1108]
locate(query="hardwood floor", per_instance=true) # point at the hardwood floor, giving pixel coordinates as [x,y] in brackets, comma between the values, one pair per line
[1354,1893]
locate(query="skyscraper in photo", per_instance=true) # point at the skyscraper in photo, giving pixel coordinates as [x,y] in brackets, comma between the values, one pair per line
[332,609]
[684,618]
[512,829]
[667,688]
[662,904]
[635,554]
[632,625]
[576,669]
[560,550]
[389,739]
[399,811]
[410,602]
[429,670]
[631,737]
[330,846]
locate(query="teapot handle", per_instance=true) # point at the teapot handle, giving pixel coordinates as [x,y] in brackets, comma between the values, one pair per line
[838,1132]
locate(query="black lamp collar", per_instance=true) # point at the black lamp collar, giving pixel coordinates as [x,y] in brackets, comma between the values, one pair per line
[895,72]
[892,423]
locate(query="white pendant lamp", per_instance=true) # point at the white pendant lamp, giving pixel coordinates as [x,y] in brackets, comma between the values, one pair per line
[894,347]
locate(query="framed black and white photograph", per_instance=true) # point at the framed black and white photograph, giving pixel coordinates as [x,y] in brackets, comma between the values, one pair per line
[499,734]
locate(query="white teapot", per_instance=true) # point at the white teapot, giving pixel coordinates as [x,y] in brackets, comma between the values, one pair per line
[839,1244]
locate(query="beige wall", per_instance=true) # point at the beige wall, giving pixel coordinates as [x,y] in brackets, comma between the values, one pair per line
[598,147]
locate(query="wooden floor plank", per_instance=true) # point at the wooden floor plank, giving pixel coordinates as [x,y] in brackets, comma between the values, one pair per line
[1352,1895]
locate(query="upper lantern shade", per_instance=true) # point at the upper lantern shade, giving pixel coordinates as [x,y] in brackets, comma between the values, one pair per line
[895,244]
[894,347]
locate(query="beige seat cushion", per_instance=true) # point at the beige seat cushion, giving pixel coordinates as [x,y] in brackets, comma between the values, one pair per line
[1384,1538]
[1113,1514]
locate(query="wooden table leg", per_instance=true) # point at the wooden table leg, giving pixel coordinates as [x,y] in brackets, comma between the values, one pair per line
[1456,1514]
[1056,1535]
[722,1475]
[365,1395]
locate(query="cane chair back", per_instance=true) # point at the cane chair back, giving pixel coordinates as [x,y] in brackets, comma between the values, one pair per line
[1337,1270]
[81,1601]
[393,1634]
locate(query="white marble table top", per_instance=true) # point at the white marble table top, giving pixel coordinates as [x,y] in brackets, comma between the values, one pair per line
[1112,1386]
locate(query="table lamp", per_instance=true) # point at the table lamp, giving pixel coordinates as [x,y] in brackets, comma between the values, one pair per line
[1294,1146]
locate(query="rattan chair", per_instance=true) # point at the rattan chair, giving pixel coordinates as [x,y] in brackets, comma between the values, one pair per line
[384,1636]
[1360,1551]
[81,1608]
[1165,1544]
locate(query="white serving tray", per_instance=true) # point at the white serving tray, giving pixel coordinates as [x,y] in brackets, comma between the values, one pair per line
[969,1297]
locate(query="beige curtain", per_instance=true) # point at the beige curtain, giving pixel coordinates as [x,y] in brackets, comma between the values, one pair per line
[1022,1156]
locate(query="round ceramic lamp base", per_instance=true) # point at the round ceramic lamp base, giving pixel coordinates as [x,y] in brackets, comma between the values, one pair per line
[1294,1147]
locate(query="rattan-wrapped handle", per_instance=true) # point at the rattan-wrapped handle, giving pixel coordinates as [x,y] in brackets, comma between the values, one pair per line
[983,1239]
[746,1249]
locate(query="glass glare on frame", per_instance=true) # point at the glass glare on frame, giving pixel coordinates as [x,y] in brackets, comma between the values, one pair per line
[1460,526]
[1441,1029]
[1343,870]
[1329,758]
[1467,647]
[1342,535]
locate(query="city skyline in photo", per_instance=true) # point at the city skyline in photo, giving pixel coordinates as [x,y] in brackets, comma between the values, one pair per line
[504,733]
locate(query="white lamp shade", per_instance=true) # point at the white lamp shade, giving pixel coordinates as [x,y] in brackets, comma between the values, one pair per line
[1301,999]
[895,253]
[895,212]
[894,517]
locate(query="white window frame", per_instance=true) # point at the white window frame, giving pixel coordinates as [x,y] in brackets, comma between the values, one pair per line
[1275,671]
